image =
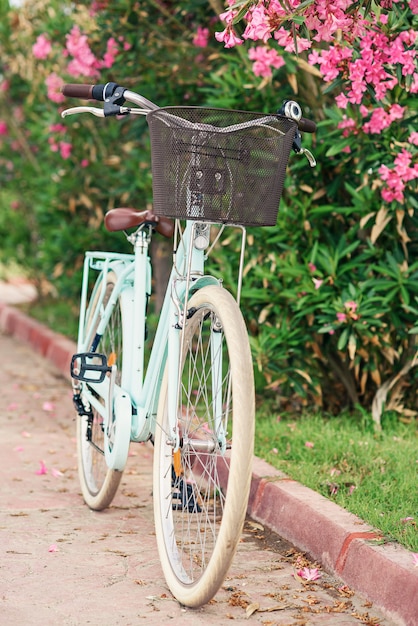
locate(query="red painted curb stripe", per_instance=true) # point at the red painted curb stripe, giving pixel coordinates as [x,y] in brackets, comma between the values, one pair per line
[342,557]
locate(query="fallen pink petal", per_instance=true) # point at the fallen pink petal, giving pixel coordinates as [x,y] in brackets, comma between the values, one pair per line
[309,444]
[53,548]
[415,559]
[42,469]
[56,473]
[48,406]
[12,406]
[309,574]
[26,434]
[19,449]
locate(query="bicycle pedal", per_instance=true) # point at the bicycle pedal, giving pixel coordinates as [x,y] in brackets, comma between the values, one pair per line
[89,367]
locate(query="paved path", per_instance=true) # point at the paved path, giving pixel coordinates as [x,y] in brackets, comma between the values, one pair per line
[63,565]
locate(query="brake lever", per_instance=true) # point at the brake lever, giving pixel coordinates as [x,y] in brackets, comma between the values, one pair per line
[75,110]
[309,156]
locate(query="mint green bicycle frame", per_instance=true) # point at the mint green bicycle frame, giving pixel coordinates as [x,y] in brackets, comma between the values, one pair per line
[132,405]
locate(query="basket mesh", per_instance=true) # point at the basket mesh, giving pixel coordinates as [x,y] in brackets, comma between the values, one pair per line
[219,165]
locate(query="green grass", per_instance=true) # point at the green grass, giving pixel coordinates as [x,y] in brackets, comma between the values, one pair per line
[372,475]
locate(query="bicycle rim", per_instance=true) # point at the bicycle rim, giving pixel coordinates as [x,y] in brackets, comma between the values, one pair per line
[201,491]
[99,483]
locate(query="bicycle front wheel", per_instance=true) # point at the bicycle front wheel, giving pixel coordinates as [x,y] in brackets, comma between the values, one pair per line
[201,486]
[99,483]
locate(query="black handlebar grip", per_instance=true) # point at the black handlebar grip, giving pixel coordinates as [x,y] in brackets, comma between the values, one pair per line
[306,126]
[78,91]
[91,92]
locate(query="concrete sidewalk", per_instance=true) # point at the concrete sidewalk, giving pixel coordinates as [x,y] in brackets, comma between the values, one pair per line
[344,545]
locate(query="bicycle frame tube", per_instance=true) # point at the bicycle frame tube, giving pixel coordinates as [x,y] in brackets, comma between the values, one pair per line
[166,348]
[186,276]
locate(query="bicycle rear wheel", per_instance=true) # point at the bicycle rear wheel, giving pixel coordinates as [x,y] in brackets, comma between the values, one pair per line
[99,483]
[201,490]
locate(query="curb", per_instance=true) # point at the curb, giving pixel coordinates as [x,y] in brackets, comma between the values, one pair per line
[343,543]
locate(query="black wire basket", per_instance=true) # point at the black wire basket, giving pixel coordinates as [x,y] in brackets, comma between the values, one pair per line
[217,165]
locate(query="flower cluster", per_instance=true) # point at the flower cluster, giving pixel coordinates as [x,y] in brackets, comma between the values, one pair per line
[84,62]
[397,176]
[349,312]
[57,144]
[264,59]
[365,53]
[201,38]
[381,119]
[81,60]
[371,67]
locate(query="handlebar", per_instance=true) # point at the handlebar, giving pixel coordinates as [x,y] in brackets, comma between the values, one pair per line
[114,96]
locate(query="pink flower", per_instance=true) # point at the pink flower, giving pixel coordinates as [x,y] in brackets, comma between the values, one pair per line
[228,37]
[200,40]
[65,149]
[341,101]
[341,317]
[3,128]
[398,176]
[287,41]
[348,125]
[54,83]
[258,27]
[309,444]
[309,574]
[317,282]
[84,63]
[42,469]
[312,267]
[265,58]
[42,47]
[57,128]
[379,120]
[351,304]
[413,5]
[396,112]
[111,53]
[84,163]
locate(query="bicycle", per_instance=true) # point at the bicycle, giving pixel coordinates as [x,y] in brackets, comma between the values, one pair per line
[195,400]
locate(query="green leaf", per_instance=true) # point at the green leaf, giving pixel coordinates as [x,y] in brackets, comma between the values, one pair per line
[337,147]
[342,341]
